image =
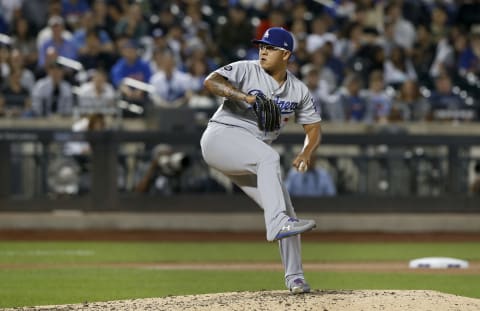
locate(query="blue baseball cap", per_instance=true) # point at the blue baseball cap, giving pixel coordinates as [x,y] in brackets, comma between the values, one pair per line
[277,36]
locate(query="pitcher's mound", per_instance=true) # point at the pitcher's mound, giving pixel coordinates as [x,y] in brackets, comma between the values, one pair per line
[321,300]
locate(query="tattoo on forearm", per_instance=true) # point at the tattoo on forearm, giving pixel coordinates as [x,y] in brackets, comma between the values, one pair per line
[218,85]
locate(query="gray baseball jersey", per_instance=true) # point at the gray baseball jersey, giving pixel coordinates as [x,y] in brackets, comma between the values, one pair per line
[233,144]
[293,98]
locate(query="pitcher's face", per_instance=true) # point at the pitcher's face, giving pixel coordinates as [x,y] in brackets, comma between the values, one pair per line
[272,57]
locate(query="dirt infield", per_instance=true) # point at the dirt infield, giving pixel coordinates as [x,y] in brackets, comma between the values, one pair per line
[318,300]
[193,236]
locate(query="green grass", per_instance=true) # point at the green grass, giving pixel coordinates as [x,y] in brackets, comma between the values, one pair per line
[24,286]
[84,252]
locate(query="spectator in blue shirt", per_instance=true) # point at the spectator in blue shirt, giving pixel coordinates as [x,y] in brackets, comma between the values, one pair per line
[350,105]
[315,182]
[131,66]
[64,47]
[469,59]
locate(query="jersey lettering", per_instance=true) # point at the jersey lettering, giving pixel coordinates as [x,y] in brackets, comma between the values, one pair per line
[285,105]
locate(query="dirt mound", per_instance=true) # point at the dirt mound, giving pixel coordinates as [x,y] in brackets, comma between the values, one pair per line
[322,300]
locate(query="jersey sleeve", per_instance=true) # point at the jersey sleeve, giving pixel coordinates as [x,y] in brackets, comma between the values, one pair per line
[234,72]
[308,111]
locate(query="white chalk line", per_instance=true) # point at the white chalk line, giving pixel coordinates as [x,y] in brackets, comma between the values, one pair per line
[38,252]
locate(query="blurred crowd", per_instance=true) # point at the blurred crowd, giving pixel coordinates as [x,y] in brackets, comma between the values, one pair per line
[364,61]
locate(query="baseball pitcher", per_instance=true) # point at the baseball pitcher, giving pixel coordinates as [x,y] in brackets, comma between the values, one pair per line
[260,97]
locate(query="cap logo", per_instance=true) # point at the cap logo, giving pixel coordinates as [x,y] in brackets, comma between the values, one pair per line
[278,37]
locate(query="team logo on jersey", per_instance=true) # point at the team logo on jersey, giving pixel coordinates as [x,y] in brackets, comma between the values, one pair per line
[255,92]
[228,68]
[285,106]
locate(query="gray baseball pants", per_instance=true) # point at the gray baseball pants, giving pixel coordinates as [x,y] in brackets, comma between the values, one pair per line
[254,166]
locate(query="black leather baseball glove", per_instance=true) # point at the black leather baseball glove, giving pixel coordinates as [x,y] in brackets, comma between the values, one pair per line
[268,114]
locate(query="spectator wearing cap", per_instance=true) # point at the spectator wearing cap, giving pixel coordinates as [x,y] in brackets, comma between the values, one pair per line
[64,47]
[46,33]
[52,95]
[130,65]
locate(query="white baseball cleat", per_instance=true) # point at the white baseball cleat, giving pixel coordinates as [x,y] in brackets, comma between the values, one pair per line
[295,226]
